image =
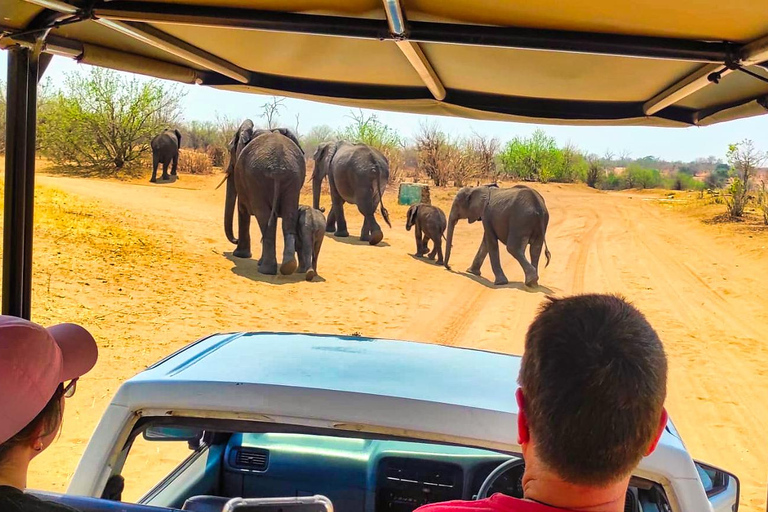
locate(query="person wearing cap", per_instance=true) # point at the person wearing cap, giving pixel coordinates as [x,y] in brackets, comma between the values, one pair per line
[39,368]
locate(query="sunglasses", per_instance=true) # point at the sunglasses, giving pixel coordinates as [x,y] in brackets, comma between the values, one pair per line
[69,389]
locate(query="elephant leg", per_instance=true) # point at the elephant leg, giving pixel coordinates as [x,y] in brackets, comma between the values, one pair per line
[301,247]
[439,248]
[330,226]
[477,263]
[165,171]
[516,246]
[155,163]
[315,255]
[367,207]
[337,213]
[492,243]
[174,164]
[365,232]
[419,247]
[536,247]
[268,260]
[432,254]
[243,249]
[289,211]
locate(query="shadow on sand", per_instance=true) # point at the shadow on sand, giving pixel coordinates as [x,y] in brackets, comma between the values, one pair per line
[160,181]
[513,285]
[354,240]
[249,268]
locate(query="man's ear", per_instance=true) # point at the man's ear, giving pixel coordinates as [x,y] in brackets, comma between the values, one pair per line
[659,431]
[523,434]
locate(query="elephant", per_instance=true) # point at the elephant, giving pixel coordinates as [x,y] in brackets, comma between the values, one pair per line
[265,175]
[310,230]
[357,174]
[517,216]
[429,224]
[165,150]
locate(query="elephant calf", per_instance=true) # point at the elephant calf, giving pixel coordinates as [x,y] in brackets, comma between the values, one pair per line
[310,229]
[429,224]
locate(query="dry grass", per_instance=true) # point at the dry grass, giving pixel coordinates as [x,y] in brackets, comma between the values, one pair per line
[194,162]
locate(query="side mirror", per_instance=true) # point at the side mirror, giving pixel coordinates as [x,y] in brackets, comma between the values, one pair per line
[722,488]
[193,436]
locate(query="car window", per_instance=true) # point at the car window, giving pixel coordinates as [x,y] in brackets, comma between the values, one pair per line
[148,463]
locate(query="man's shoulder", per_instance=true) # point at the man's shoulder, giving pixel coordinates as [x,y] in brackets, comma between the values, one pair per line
[496,503]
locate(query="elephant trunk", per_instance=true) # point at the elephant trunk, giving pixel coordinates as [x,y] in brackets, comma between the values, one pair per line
[453,219]
[229,208]
[317,183]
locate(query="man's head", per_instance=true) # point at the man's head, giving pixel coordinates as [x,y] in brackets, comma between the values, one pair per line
[592,388]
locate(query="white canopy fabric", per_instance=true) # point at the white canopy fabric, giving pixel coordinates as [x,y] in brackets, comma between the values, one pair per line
[598,62]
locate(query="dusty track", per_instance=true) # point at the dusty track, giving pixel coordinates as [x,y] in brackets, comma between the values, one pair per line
[704,293]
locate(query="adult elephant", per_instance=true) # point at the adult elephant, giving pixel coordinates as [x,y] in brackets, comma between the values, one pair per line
[517,216]
[264,177]
[165,150]
[357,174]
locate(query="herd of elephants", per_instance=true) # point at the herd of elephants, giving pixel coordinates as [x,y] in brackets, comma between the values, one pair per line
[266,173]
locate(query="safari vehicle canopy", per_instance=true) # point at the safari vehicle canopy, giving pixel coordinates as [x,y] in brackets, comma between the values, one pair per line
[655,63]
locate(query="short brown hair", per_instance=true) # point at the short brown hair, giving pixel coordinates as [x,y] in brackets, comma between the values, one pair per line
[594,377]
[48,421]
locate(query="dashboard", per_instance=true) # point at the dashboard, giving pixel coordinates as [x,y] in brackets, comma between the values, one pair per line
[378,475]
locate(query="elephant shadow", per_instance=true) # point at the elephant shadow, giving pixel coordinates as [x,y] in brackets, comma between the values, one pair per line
[249,268]
[354,240]
[171,179]
[515,285]
[424,259]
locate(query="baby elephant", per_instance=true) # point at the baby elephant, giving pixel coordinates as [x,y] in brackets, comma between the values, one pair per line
[430,225]
[311,231]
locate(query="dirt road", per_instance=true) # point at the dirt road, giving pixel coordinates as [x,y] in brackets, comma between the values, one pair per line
[149,268]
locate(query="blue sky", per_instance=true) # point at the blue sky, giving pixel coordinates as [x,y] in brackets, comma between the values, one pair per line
[202,103]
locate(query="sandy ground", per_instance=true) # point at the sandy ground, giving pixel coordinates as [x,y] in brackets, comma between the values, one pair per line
[148,269]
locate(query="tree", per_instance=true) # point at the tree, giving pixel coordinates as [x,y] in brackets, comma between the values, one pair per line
[270,111]
[102,123]
[316,136]
[486,150]
[367,129]
[432,150]
[744,158]
[595,168]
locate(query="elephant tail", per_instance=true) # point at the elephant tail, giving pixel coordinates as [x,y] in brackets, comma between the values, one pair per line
[275,196]
[547,253]
[384,212]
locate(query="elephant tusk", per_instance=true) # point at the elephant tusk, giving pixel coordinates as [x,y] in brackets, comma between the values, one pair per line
[222,182]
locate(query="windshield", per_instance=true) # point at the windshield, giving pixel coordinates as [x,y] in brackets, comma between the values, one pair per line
[163,468]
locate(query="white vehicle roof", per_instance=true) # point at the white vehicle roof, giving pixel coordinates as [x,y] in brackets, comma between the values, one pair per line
[393,388]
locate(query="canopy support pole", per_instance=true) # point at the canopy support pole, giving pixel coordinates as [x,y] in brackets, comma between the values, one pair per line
[412,50]
[20,138]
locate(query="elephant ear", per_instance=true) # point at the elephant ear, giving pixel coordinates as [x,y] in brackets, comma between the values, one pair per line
[287,132]
[411,216]
[178,136]
[478,200]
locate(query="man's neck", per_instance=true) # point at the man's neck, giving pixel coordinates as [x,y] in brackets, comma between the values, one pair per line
[13,470]
[552,491]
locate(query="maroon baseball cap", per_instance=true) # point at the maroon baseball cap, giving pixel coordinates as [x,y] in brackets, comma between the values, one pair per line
[33,362]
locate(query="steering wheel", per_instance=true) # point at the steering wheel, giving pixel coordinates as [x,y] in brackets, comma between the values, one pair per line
[495,474]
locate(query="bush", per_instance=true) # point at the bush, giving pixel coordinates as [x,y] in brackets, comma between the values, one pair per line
[537,158]
[744,159]
[194,162]
[640,177]
[217,155]
[103,124]
[369,130]
[684,181]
